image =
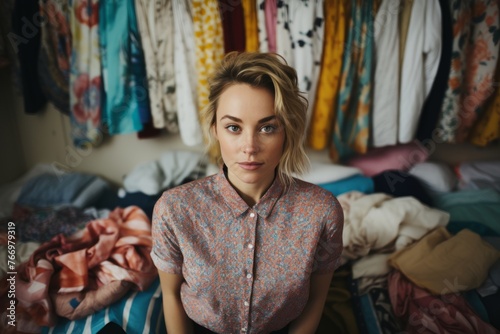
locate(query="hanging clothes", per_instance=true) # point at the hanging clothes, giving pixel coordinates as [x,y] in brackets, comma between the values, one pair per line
[487,127]
[404,22]
[482,56]
[351,128]
[233,25]
[420,65]
[432,105]
[386,79]
[185,74]
[85,74]
[299,39]
[447,121]
[474,57]
[324,106]
[262,26]
[251,26]
[155,22]
[55,53]
[125,102]
[209,43]
[26,38]
[271,12]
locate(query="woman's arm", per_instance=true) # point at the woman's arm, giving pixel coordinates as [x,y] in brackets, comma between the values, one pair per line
[308,321]
[176,318]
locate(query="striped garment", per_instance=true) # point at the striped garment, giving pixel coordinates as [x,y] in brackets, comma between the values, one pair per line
[138,312]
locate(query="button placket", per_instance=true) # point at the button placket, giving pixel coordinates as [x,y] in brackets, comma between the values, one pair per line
[249,256]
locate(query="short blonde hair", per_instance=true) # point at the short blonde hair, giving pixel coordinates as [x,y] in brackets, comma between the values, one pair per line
[269,71]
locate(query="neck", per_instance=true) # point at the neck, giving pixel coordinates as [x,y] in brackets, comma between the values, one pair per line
[250,193]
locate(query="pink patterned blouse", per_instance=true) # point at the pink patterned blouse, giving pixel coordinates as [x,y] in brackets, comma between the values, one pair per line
[246,269]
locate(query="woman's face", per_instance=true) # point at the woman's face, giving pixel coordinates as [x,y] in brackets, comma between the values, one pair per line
[250,136]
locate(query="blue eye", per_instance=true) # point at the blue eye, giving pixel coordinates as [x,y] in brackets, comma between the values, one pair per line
[233,128]
[268,129]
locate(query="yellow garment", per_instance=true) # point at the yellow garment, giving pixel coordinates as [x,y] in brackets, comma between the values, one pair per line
[445,264]
[251,28]
[487,127]
[326,96]
[209,48]
[404,22]
[209,43]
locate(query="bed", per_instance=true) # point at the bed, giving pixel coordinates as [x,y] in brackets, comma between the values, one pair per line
[390,233]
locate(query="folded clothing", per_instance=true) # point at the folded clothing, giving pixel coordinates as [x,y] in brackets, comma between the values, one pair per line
[479,175]
[400,184]
[170,170]
[360,183]
[481,206]
[400,157]
[436,177]
[53,190]
[442,263]
[328,172]
[43,224]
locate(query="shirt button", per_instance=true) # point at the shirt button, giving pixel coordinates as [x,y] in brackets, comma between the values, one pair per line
[252,215]
[246,303]
[250,246]
[249,275]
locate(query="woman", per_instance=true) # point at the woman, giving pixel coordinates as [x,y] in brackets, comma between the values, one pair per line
[250,249]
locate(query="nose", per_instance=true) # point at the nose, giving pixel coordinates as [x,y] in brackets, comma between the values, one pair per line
[250,144]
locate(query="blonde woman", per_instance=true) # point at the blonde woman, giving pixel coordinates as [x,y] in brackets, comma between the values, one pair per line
[250,249]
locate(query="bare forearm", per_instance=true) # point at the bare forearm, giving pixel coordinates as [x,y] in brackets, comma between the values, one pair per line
[176,318]
[308,321]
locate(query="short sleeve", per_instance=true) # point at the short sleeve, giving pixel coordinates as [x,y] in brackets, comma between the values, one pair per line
[166,253]
[328,252]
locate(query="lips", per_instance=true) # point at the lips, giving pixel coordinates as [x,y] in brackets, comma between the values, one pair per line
[250,165]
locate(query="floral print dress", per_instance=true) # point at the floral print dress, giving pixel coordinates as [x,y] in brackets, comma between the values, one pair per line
[350,134]
[85,75]
[474,59]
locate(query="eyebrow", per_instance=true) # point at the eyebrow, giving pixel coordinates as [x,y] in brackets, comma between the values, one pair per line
[236,119]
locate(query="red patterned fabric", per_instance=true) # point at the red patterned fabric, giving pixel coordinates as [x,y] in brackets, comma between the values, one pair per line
[427,313]
[75,272]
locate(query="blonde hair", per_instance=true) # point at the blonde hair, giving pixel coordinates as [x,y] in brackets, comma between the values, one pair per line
[269,71]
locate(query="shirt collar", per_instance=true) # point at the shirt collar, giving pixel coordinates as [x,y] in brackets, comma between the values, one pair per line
[238,206]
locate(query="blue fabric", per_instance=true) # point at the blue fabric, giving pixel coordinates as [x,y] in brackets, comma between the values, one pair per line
[48,190]
[482,206]
[476,304]
[454,227]
[369,315]
[126,102]
[357,182]
[137,312]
